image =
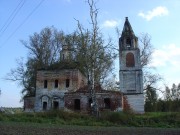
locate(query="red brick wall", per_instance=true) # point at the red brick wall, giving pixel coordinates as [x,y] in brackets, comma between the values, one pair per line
[29,103]
[115,100]
[126,106]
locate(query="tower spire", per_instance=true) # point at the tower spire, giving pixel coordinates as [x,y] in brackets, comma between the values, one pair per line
[128,40]
[127,29]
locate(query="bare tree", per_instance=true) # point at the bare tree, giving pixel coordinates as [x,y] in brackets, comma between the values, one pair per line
[24,75]
[172,93]
[146,49]
[93,52]
[95,57]
[151,79]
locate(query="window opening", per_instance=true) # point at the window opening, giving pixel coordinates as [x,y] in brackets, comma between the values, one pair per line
[45,83]
[128,42]
[56,84]
[67,83]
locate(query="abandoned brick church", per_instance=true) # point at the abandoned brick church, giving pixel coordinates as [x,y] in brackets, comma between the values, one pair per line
[65,87]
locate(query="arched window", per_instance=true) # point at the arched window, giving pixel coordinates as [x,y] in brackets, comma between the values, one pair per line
[130,60]
[44,100]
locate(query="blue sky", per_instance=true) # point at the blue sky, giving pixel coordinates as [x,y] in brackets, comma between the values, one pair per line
[160,19]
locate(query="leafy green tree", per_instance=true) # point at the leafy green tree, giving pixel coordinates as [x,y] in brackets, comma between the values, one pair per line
[44,48]
[172,99]
[170,103]
[161,106]
[150,99]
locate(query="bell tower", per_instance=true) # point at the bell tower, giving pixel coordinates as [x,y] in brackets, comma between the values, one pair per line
[66,53]
[131,76]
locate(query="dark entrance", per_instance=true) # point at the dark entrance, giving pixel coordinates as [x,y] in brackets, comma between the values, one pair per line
[55,105]
[107,103]
[44,105]
[76,104]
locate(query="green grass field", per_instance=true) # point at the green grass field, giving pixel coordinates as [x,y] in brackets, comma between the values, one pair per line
[56,122]
[163,120]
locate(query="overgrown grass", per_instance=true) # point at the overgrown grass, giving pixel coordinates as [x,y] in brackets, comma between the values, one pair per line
[164,120]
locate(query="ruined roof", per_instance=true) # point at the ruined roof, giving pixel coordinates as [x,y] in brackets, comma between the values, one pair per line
[62,65]
[98,89]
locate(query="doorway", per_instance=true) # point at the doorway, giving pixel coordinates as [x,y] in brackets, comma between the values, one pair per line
[44,106]
[55,105]
[77,104]
[107,103]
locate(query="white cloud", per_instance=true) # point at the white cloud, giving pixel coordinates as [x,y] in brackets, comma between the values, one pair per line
[167,63]
[110,23]
[158,11]
[167,56]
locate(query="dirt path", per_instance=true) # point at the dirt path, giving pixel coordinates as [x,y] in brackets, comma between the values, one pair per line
[41,129]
